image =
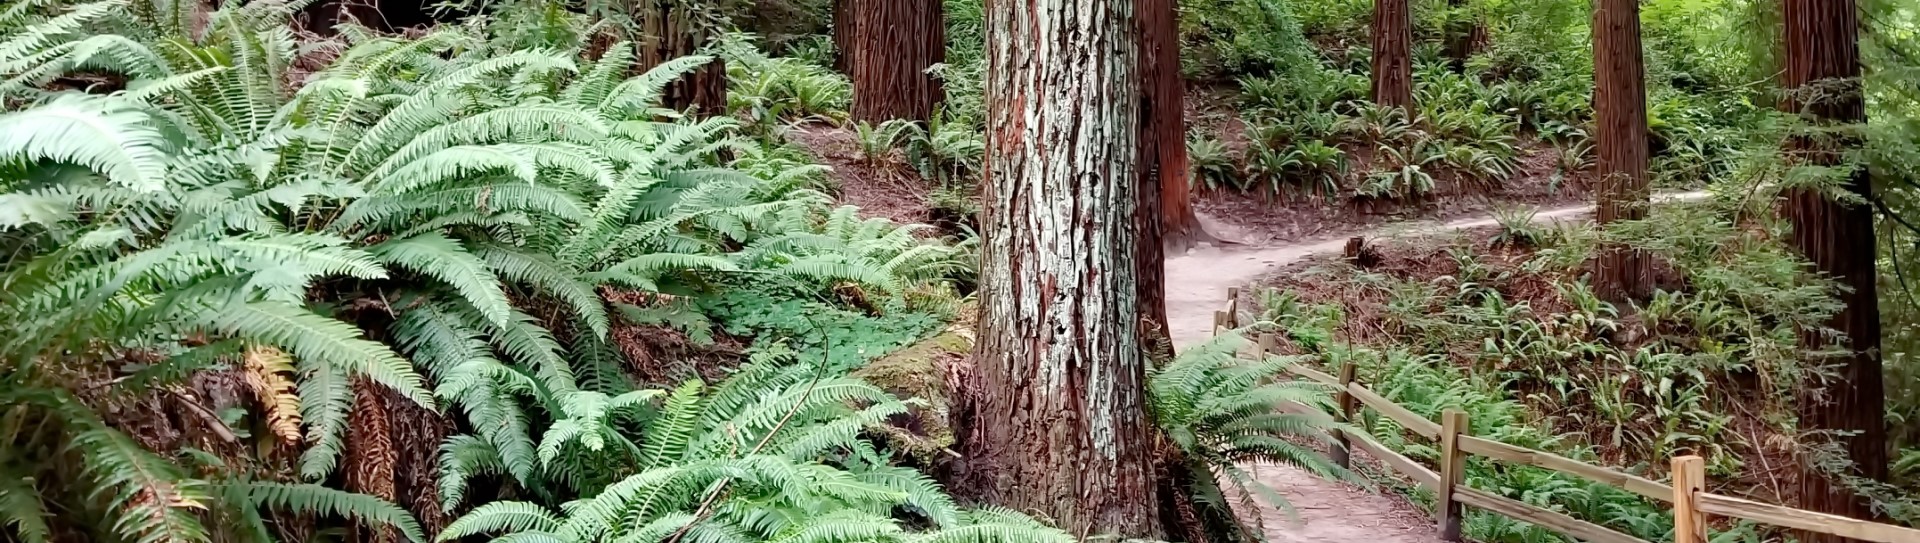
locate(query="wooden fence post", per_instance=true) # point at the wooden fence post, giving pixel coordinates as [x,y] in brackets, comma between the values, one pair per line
[1453,467]
[1689,480]
[1343,448]
[1233,307]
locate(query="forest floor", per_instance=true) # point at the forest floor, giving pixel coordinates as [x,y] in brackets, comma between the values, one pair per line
[1323,511]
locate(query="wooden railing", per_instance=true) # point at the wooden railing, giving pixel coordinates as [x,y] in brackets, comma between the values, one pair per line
[1452,436]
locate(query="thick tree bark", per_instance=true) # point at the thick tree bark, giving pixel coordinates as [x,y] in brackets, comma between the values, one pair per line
[1393,54]
[1620,113]
[1057,418]
[672,30]
[1823,75]
[896,41]
[844,42]
[1163,130]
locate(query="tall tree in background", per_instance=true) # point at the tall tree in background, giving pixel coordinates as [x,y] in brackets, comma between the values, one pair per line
[1822,76]
[1393,54]
[843,41]
[1056,421]
[1620,115]
[1163,130]
[670,29]
[895,42]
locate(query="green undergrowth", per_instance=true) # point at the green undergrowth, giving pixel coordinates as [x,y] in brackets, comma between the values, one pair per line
[1505,326]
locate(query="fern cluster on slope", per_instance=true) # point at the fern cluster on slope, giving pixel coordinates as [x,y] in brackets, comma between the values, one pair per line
[431,214]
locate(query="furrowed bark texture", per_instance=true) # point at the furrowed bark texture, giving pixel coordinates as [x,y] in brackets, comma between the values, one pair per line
[1163,130]
[1620,111]
[1393,54]
[1057,423]
[844,42]
[673,30]
[896,41]
[1822,74]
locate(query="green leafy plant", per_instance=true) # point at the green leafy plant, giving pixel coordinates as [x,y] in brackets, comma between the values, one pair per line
[877,143]
[1224,413]
[1213,163]
[773,453]
[1402,173]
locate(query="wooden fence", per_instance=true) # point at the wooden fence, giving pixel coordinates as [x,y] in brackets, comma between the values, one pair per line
[1453,437]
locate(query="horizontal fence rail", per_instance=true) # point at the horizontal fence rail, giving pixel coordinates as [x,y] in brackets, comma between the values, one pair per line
[1451,436]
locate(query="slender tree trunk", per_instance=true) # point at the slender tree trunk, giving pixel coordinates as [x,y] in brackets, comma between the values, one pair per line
[844,42]
[1393,54]
[1057,417]
[1163,129]
[896,41]
[672,30]
[1823,75]
[1620,113]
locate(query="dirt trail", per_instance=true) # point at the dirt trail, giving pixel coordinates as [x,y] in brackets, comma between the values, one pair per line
[1328,512]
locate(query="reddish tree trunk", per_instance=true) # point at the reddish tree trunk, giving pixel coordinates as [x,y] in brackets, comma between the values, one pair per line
[896,41]
[1822,73]
[1163,132]
[673,31]
[844,42]
[1620,113]
[1393,54]
[1056,417]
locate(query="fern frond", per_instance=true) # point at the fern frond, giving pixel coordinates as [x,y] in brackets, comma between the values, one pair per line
[310,336]
[108,135]
[320,500]
[20,507]
[325,395]
[595,85]
[644,91]
[432,106]
[439,257]
[541,272]
[498,517]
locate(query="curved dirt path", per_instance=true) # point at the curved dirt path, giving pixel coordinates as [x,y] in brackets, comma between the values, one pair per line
[1325,511]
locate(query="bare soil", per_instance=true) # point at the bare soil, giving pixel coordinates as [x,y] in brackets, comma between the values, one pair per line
[881,188]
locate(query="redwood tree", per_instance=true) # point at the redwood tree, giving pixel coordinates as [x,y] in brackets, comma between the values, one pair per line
[895,42]
[1393,54]
[1823,76]
[671,29]
[1056,419]
[1163,130]
[1620,113]
[843,41]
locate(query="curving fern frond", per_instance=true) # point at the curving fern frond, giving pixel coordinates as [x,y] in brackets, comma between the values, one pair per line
[645,91]
[434,255]
[320,500]
[110,135]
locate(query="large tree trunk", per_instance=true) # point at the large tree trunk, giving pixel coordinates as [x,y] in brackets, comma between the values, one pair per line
[1823,72]
[1620,113]
[673,29]
[844,42]
[1057,419]
[1393,54]
[1163,129]
[896,41]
